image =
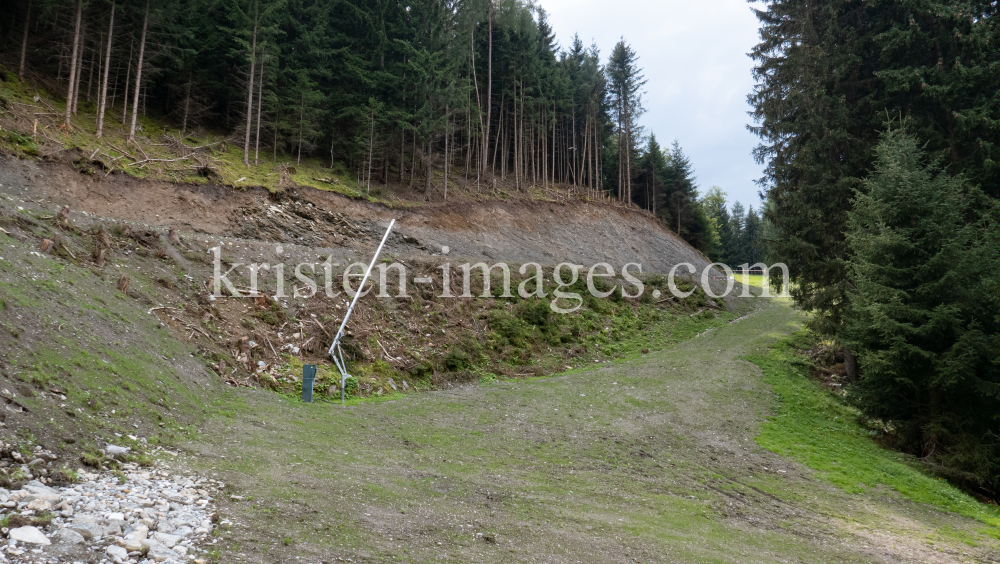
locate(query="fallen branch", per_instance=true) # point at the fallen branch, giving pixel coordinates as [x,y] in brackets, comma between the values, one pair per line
[316,321]
[13,401]
[385,351]
[148,160]
[161,307]
[9,234]
[126,153]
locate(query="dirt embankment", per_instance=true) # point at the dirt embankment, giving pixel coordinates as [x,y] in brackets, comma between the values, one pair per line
[517,231]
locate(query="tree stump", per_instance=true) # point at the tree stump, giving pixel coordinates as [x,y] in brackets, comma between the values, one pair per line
[123,283]
[47,246]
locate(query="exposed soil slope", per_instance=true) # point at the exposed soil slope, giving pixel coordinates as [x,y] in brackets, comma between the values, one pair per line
[517,231]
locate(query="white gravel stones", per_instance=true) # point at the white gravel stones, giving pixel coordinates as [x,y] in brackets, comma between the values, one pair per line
[29,535]
[117,553]
[146,516]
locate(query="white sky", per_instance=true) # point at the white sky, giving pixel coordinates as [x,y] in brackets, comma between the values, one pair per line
[694,56]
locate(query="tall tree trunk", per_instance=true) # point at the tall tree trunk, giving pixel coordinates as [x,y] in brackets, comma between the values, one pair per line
[260,106]
[72,68]
[402,153]
[187,104]
[572,101]
[371,153]
[427,168]
[90,72]
[489,91]
[413,161]
[79,66]
[302,117]
[545,147]
[496,146]
[138,75]
[628,161]
[480,163]
[128,80]
[94,61]
[555,119]
[468,139]
[24,42]
[447,135]
[253,62]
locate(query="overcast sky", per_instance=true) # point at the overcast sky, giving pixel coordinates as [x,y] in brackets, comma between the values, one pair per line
[694,55]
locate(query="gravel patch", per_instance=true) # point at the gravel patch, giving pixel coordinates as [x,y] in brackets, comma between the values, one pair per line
[136,515]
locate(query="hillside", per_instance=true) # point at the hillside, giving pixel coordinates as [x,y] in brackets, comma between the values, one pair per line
[478,429]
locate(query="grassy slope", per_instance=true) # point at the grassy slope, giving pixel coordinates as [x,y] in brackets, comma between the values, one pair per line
[64,326]
[815,428]
[647,460]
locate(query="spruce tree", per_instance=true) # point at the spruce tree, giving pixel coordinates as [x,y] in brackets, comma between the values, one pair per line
[924,276]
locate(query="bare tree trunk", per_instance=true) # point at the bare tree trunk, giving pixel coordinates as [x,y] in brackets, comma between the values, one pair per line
[24,42]
[187,104]
[302,117]
[628,162]
[72,68]
[138,75]
[94,61]
[468,139]
[260,106]
[481,162]
[447,134]
[413,161]
[489,91]
[555,120]
[371,153]
[430,159]
[79,66]
[253,62]
[128,80]
[402,153]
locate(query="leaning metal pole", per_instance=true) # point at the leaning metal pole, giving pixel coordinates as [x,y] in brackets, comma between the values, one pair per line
[335,352]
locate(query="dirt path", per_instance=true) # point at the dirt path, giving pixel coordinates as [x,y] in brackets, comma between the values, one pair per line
[650,460]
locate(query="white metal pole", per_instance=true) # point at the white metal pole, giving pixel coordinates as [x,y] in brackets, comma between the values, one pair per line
[335,347]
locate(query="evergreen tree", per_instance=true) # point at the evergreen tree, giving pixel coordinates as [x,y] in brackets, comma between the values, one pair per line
[924,276]
[812,77]
[828,73]
[715,206]
[682,212]
[649,182]
[625,81]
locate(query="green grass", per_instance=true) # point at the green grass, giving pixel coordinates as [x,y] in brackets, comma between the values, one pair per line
[644,459]
[755,280]
[817,429]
